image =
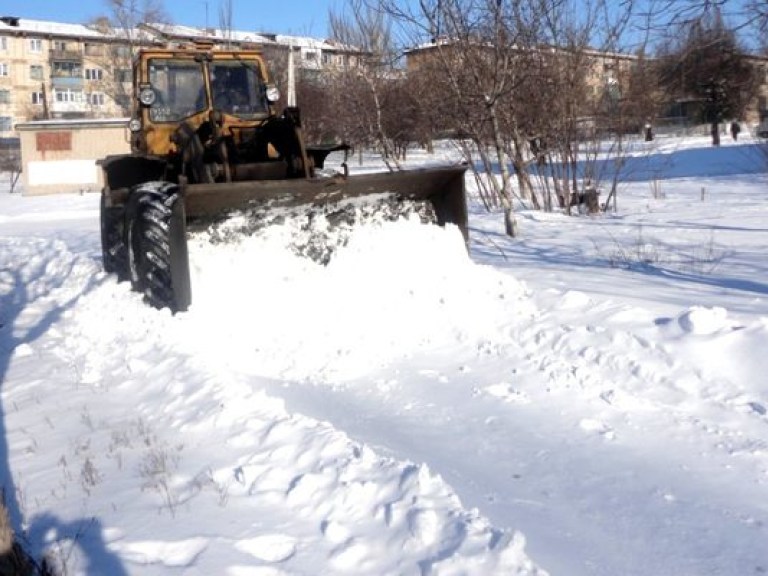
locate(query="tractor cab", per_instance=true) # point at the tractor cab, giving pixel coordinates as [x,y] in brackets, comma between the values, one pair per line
[194,87]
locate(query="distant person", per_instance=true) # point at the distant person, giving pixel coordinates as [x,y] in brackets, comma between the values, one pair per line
[735,129]
[648,132]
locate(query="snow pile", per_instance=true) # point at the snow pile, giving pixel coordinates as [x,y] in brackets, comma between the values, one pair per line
[317,232]
[391,288]
[701,320]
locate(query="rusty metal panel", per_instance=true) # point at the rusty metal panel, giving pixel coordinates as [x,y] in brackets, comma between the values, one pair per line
[53,141]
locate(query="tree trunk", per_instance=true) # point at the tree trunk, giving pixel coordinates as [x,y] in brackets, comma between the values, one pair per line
[715,133]
[521,171]
[510,223]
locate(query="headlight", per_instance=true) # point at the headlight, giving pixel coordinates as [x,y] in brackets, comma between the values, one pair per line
[273,94]
[147,96]
[134,125]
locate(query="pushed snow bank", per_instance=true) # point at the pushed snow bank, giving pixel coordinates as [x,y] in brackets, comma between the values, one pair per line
[391,289]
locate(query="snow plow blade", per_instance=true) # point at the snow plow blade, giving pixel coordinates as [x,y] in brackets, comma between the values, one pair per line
[443,187]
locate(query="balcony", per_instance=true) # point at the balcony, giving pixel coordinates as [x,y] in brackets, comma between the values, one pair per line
[67,82]
[69,108]
[65,56]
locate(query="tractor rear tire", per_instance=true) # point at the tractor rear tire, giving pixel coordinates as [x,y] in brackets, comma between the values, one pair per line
[156,238]
[114,253]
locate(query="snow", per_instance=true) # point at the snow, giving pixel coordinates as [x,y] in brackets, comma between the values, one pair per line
[25,26]
[589,399]
[178,30]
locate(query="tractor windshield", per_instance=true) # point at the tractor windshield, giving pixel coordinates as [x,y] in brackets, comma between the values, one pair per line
[177,84]
[237,88]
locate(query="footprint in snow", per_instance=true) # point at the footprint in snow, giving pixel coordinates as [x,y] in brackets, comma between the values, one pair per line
[507,393]
[269,547]
[176,554]
[757,408]
[597,427]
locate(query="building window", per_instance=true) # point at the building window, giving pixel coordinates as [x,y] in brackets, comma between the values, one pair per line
[122,51]
[123,75]
[332,59]
[36,72]
[68,95]
[6,123]
[94,74]
[3,43]
[96,99]
[37,98]
[92,49]
[35,45]
[5,96]
[59,46]
[66,69]
[3,69]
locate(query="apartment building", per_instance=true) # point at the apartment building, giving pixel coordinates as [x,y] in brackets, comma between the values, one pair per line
[52,70]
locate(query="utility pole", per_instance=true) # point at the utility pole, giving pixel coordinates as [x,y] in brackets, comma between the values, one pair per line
[291,78]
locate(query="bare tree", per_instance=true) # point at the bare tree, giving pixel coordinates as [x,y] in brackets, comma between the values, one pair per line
[516,80]
[741,13]
[405,119]
[121,25]
[366,80]
[709,67]
[125,16]
[757,13]
[593,101]
[471,60]
[226,16]
[10,163]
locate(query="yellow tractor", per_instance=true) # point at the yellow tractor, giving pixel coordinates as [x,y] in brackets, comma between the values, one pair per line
[205,141]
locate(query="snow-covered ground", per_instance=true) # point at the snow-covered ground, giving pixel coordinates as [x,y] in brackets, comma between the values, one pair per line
[589,399]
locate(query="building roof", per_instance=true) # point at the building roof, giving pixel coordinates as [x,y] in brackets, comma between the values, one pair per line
[159,31]
[192,33]
[41,27]
[303,42]
[177,31]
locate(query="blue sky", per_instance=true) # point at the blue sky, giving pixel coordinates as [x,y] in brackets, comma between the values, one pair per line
[304,17]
